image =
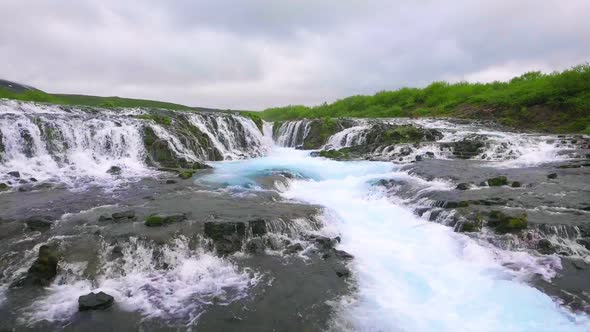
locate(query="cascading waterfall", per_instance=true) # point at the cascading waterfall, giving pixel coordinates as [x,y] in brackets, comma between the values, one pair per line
[65,144]
[292,133]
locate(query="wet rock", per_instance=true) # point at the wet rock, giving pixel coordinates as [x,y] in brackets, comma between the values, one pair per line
[39,223]
[123,215]
[467,148]
[483,184]
[105,218]
[227,236]
[4,187]
[170,181]
[516,184]
[43,270]
[255,246]
[258,227]
[470,226]
[114,170]
[117,252]
[497,181]
[163,219]
[294,248]
[32,179]
[452,205]
[463,186]
[14,174]
[324,243]
[418,158]
[342,272]
[503,223]
[545,247]
[95,301]
[342,254]
[25,188]
[584,242]
[552,176]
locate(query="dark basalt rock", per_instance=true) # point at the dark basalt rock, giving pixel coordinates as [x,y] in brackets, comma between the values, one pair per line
[123,215]
[293,248]
[545,247]
[14,174]
[516,184]
[258,227]
[227,236]
[342,272]
[163,219]
[114,170]
[342,254]
[39,223]
[43,270]
[105,218]
[463,186]
[466,148]
[95,301]
[170,181]
[552,176]
[255,246]
[584,242]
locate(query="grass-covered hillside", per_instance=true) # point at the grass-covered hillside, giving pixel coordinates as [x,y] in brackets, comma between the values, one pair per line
[557,102]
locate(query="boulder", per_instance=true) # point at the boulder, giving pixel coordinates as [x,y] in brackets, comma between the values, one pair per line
[14,174]
[95,301]
[123,215]
[545,247]
[552,176]
[342,272]
[258,227]
[39,223]
[227,236]
[114,170]
[43,269]
[170,181]
[516,184]
[497,181]
[293,248]
[186,174]
[466,148]
[4,187]
[343,254]
[463,186]
[163,219]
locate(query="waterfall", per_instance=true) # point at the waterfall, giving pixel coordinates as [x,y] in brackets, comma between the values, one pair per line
[66,144]
[292,133]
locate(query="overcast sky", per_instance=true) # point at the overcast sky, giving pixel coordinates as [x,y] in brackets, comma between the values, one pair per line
[260,53]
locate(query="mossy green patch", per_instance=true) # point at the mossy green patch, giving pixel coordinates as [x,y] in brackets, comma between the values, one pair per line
[498,181]
[154,220]
[160,119]
[186,174]
[503,223]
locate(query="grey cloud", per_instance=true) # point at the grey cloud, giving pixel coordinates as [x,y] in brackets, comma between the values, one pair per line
[261,53]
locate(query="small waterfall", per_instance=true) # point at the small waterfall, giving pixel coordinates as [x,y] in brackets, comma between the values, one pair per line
[348,137]
[292,133]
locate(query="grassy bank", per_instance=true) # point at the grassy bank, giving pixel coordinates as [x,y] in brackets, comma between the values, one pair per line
[82,100]
[556,102]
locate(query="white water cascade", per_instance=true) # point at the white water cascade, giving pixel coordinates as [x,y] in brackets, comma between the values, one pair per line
[412,275]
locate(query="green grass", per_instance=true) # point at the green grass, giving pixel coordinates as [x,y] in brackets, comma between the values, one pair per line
[93,101]
[558,101]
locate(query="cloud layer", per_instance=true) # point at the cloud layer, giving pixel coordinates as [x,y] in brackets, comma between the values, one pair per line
[260,53]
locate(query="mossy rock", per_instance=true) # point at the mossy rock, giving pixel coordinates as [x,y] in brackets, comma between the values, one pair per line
[155,220]
[4,187]
[341,154]
[186,174]
[503,223]
[498,181]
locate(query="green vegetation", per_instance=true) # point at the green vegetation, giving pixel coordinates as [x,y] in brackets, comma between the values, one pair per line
[503,223]
[558,102]
[341,154]
[154,220]
[186,174]
[320,131]
[93,101]
[498,181]
[161,119]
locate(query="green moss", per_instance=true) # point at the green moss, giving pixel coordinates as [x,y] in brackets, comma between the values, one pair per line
[341,154]
[160,119]
[186,174]
[498,181]
[4,187]
[503,223]
[154,220]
